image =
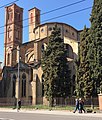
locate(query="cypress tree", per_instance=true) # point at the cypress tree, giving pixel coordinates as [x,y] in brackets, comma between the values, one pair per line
[90,55]
[85,67]
[84,83]
[55,68]
[96,45]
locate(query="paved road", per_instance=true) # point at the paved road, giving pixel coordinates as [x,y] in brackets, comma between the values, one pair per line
[47,115]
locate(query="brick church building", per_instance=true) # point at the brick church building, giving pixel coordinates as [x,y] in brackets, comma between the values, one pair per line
[29,54]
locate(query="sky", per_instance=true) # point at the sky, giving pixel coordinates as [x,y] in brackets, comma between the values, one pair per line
[78,19]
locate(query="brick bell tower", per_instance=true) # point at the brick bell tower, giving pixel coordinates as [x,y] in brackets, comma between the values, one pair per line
[34,21]
[13,33]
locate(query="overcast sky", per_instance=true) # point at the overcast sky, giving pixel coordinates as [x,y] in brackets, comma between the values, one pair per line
[76,19]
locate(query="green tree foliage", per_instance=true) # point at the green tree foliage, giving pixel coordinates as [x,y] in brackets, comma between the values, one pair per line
[55,68]
[77,88]
[96,45]
[85,81]
[90,56]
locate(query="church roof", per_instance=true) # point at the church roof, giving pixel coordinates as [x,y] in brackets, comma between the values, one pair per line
[55,23]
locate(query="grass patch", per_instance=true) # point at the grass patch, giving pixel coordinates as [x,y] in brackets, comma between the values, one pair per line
[49,108]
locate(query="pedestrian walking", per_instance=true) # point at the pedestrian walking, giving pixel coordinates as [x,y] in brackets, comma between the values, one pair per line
[82,102]
[81,105]
[76,105]
[19,104]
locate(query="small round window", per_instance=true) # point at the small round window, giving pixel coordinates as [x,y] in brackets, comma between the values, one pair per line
[50,28]
[42,30]
[66,31]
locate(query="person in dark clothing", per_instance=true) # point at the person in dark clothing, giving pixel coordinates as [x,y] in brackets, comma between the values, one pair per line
[19,104]
[82,102]
[81,106]
[76,105]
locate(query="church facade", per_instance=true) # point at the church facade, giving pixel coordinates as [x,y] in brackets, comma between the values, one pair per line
[29,54]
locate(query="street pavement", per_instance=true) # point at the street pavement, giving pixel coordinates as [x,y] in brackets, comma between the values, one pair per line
[52,112]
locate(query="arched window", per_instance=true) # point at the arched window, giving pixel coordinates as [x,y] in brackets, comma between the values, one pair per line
[17,34]
[43,48]
[14,86]
[69,51]
[17,16]
[42,85]
[10,15]
[9,34]
[24,85]
[31,17]
[8,59]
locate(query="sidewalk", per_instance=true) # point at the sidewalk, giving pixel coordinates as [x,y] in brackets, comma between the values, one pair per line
[54,112]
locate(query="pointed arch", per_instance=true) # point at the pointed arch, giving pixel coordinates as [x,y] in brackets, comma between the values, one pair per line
[10,15]
[69,49]
[23,85]
[31,17]
[14,85]
[42,85]
[29,55]
[8,58]
[9,33]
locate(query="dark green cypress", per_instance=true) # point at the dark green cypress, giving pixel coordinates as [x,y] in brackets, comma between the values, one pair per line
[55,68]
[90,55]
[84,85]
[85,68]
[96,45]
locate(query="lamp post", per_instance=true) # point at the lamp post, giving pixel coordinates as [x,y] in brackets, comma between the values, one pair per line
[17,90]
[18,49]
